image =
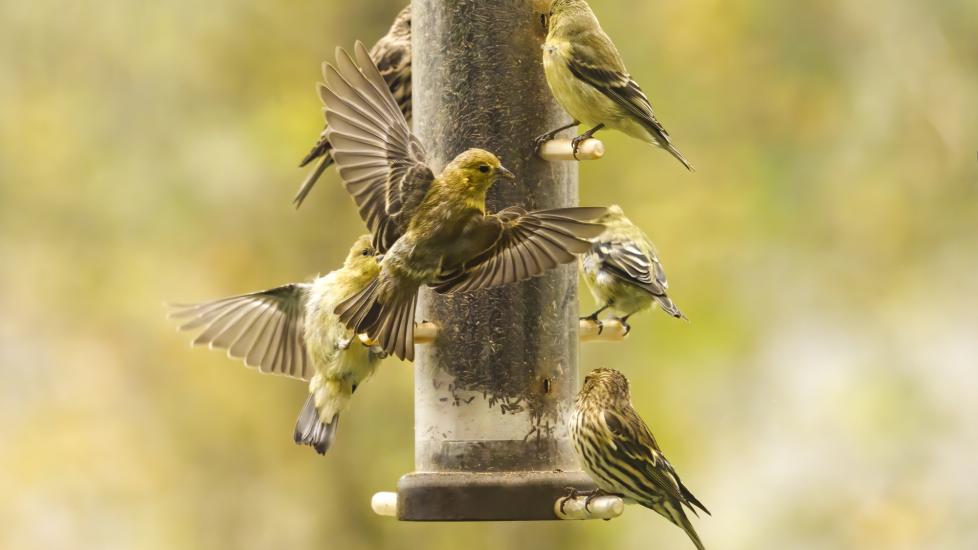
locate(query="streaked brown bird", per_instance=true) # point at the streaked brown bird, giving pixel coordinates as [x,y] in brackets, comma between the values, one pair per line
[433,230]
[291,330]
[392,54]
[617,449]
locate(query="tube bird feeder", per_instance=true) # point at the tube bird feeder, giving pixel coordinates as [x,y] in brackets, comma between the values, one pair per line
[495,383]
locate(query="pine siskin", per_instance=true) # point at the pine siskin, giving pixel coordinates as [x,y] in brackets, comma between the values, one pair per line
[392,54]
[433,230]
[617,449]
[292,330]
[623,271]
[587,76]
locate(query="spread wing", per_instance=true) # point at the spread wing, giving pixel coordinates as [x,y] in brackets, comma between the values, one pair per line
[265,329]
[381,162]
[518,245]
[635,445]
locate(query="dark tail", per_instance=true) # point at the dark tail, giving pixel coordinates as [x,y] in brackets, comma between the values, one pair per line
[310,430]
[390,325]
[672,510]
[322,149]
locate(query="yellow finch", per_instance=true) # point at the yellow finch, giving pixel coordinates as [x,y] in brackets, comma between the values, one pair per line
[623,271]
[618,451]
[292,330]
[589,79]
[433,230]
[392,54]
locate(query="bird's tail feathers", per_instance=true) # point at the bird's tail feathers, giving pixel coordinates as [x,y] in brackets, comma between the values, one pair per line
[669,306]
[691,501]
[673,511]
[311,430]
[679,156]
[391,325]
[325,162]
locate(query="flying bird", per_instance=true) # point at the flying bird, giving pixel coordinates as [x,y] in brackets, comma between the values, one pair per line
[623,271]
[392,54]
[291,330]
[588,78]
[617,449]
[433,229]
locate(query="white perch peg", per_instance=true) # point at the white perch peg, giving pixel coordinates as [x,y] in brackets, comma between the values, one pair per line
[561,149]
[602,507]
[384,504]
[424,333]
[609,330]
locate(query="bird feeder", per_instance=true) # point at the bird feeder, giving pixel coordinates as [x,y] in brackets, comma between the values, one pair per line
[496,371]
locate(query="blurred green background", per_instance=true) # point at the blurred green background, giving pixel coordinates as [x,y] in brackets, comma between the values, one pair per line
[826,251]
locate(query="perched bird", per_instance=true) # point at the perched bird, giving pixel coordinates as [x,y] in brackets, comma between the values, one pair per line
[392,54]
[433,230]
[589,80]
[617,449]
[292,330]
[623,271]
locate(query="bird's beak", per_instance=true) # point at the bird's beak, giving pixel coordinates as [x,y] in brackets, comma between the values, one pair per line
[503,172]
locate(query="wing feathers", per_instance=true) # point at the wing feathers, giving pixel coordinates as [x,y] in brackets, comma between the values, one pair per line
[265,329]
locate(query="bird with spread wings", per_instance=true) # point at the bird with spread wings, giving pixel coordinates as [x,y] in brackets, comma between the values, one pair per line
[432,229]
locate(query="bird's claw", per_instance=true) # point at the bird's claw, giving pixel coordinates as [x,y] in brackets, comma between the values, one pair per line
[571,494]
[594,319]
[576,143]
[593,495]
[541,139]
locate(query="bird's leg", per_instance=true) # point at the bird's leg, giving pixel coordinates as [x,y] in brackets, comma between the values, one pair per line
[543,138]
[594,317]
[572,492]
[624,323]
[577,141]
[591,496]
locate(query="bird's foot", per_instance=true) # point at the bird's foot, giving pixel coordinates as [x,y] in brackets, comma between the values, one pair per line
[577,141]
[572,493]
[541,139]
[594,319]
[591,495]
[624,323]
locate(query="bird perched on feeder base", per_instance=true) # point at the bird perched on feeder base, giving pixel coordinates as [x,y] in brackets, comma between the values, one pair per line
[620,454]
[432,229]
[586,74]
[291,330]
[623,271]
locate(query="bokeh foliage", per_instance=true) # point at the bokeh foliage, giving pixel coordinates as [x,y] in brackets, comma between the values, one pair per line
[825,251]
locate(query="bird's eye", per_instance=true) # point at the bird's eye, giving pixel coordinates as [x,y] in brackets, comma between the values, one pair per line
[365,252]
[484,168]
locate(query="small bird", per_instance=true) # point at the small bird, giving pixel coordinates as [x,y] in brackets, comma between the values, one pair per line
[433,230]
[292,330]
[623,271]
[617,449]
[589,80]
[392,54]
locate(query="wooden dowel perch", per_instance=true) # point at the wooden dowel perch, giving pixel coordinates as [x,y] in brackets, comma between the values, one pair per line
[602,507]
[609,331]
[561,149]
